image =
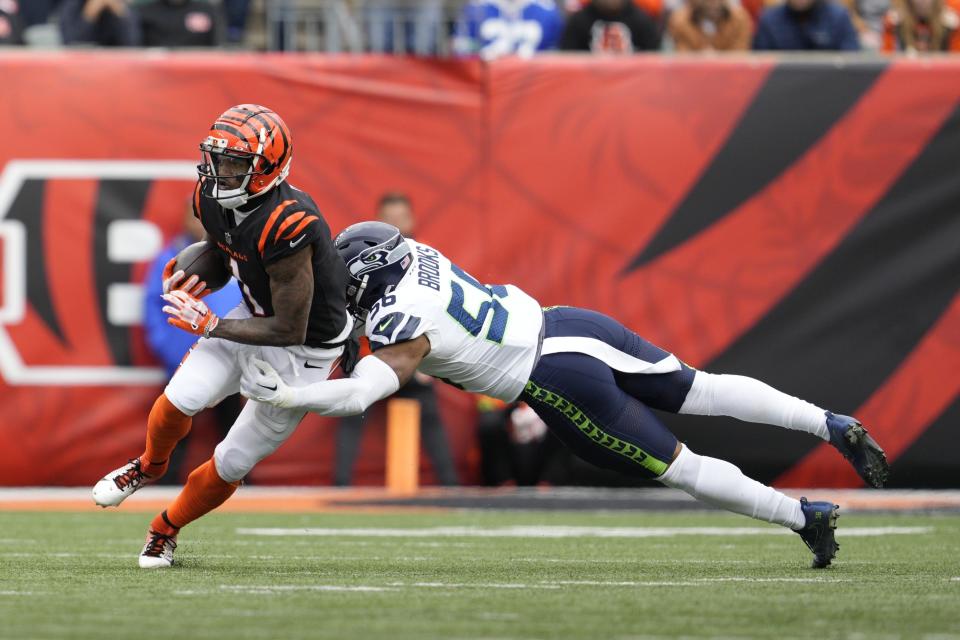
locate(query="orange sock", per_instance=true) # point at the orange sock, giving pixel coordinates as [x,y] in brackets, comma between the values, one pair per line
[205,491]
[166,426]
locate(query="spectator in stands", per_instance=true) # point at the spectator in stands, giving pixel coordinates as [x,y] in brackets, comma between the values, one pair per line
[867,17]
[710,25]
[396,208]
[11,25]
[169,344]
[108,23]
[921,26]
[800,25]
[180,23]
[37,11]
[237,12]
[610,26]
[756,7]
[417,24]
[653,8]
[496,28]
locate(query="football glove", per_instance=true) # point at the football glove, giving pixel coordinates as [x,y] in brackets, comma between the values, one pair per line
[189,314]
[262,383]
[351,354]
[172,281]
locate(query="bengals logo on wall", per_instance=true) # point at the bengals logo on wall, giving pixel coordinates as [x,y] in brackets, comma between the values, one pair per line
[76,238]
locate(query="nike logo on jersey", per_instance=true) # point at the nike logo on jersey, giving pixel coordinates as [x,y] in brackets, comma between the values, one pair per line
[273,388]
[383,325]
[310,366]
[294,243]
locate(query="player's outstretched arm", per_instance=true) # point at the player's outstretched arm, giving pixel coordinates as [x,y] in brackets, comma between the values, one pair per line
[374,378]
[291,290]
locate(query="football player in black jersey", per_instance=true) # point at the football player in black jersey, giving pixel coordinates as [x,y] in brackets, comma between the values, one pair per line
[278,246]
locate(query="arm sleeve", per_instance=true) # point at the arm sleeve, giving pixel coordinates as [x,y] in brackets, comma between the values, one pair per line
[371,380]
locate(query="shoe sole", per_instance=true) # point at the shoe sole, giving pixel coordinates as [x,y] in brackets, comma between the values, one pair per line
[875,470]
[818,561]
[161,565]
[107,501]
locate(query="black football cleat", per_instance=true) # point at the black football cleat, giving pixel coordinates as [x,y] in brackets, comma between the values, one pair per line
[849,437]
[818,532]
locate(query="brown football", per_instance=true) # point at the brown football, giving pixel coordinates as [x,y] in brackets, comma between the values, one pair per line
[203,260]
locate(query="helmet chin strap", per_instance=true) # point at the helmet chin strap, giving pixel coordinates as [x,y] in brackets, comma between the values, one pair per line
[231,198]
[360,290]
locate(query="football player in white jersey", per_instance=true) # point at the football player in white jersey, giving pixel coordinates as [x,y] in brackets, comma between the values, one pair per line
[592,380]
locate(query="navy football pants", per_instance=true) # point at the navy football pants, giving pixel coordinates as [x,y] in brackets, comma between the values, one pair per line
[601,413]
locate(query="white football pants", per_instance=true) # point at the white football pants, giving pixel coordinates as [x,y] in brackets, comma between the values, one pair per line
[211,372]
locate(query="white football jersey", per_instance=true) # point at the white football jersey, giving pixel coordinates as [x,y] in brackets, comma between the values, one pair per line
[483,338]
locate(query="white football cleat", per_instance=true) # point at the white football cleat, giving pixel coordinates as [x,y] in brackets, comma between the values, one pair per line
[158,551]
[120,484]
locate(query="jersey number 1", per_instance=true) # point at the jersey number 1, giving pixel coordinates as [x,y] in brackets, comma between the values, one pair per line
[474,324]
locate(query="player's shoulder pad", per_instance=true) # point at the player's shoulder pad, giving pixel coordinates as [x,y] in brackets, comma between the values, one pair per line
[292,222]
[393,323]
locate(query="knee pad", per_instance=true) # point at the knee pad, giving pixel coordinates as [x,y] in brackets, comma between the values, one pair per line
[233,464]
[190,396]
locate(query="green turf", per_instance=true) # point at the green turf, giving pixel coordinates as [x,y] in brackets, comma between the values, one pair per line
[75,576]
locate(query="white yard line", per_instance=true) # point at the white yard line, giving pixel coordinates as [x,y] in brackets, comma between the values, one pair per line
[689,582]
[275,588]
[561,532]
[545,584]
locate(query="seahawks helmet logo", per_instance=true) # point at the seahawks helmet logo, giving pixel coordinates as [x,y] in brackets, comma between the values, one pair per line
[378,257]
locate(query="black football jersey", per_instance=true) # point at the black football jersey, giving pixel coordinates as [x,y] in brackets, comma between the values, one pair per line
[286,221]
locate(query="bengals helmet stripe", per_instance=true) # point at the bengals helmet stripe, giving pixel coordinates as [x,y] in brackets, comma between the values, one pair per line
[271,125]
[252,133]
[219,126]
[255,131]
[270,222]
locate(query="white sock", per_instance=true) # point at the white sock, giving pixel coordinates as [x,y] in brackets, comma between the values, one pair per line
[721,484]
[750,400]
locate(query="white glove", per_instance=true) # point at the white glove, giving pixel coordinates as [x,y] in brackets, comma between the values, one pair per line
[527,425]
[189,314]
[262,383]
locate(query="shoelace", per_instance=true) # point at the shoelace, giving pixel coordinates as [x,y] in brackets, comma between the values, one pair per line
[132,476]
[157,543]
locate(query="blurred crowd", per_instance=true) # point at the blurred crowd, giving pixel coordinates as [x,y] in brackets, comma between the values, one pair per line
[490,28]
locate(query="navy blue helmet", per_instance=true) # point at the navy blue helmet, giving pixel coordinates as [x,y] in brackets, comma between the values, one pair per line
[376,257]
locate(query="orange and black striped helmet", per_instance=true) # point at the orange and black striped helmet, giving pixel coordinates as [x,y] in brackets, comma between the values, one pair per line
[246,153]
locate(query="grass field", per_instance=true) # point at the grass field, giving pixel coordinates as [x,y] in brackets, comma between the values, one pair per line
[75,575]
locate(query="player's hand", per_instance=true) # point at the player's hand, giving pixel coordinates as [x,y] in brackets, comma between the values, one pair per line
[262,383]
[173,280]
[527,425]
[189,313]
[351,354]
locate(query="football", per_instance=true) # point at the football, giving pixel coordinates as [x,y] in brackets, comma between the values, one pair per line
[203,260]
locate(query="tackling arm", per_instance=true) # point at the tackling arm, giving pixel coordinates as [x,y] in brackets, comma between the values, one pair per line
[374,378]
